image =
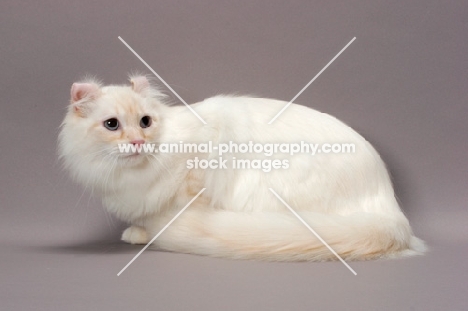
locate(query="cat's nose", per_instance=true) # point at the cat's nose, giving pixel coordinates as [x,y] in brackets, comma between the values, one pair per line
[137,142]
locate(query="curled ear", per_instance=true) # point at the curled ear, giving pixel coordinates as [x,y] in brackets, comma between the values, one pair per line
[82,95]
[84,90]
[140,84]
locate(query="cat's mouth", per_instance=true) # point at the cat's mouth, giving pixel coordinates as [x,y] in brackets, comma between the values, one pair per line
[133,155]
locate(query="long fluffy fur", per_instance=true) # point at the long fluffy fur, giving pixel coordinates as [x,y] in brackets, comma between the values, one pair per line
[347,198]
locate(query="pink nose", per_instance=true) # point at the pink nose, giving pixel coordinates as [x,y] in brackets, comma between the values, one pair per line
[137,142]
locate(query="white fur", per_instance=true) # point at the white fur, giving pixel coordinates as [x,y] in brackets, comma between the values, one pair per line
[347,198]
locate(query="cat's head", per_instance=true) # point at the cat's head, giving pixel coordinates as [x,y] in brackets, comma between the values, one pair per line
[102,119]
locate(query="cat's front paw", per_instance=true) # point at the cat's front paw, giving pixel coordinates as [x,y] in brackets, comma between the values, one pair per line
[135,235]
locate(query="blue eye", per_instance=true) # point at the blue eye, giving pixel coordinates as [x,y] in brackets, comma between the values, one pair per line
[111,124]
[145,122]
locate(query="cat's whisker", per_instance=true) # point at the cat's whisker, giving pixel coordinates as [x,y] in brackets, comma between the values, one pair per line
[88,182]
[111,171]
[161,164]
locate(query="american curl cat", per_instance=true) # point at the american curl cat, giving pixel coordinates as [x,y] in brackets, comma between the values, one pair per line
[346,197]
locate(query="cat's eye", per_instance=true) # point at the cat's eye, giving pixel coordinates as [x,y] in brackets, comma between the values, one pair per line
[111,124]
[145,122]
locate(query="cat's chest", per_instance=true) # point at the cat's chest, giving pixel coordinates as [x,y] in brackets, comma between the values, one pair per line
[133,197]
[125,192]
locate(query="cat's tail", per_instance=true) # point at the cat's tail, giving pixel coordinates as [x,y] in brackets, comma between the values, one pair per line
[282,237]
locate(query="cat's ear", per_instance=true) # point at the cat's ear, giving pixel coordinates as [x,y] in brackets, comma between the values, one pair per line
[143,86]
[140,84]
[81,91]
[82,94]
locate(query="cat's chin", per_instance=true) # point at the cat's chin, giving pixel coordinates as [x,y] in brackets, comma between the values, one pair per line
[132,159]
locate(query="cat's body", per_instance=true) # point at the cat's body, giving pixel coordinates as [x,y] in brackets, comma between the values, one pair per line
[347,199]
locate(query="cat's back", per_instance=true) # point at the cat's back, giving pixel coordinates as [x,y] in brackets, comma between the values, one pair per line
[262,109]
[254,114]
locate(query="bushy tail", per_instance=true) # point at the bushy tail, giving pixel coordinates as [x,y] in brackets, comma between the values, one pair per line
[282,237]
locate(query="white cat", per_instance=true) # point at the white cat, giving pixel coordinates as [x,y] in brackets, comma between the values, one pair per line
[347,198]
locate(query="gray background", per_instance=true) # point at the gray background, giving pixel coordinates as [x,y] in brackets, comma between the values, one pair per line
[402,84]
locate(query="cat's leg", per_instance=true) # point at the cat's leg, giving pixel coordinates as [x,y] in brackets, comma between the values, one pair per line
[135,235]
